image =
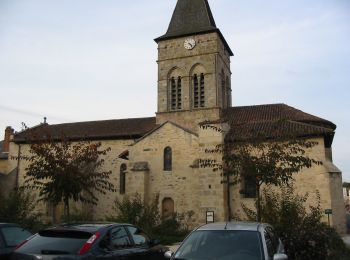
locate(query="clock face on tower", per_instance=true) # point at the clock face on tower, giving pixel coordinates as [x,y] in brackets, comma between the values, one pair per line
[189,43]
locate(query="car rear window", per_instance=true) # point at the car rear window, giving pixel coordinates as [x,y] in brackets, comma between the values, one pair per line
[56,242]
[14,235]
[221,245]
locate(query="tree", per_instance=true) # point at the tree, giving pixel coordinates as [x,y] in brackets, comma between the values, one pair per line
[265,161]
[18,207]
[62,170]
[301,229]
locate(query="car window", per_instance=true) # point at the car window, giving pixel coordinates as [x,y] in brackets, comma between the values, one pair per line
[221,245]
[14,235]
[271,242]
[2,244]
[140,238]
[51,242]
[117,238]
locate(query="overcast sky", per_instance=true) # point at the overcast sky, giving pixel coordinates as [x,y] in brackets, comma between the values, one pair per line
[82,60]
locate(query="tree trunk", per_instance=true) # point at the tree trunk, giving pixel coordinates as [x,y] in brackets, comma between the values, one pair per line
[66,210]
[258,206]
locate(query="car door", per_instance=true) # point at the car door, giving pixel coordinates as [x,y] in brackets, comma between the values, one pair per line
[10,237]
[115,245]
[142,247]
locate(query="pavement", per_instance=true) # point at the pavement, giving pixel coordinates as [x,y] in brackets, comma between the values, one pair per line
[174,247]
[346,239]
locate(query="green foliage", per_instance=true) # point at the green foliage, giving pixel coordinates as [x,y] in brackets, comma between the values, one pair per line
[303,233]
[133,210]
[19,207]
[147,216]
[63,171]
[261,159]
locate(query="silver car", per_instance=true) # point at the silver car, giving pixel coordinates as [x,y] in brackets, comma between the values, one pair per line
[230,241]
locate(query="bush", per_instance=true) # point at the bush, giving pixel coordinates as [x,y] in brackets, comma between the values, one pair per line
[303,233]
[147,216]
[18,207]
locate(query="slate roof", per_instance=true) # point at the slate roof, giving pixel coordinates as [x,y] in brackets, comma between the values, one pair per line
[192,17]
[273,121]
[247,122]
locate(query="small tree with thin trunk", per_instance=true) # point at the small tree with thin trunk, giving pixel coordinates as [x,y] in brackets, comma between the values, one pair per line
[62,170]
[266,161]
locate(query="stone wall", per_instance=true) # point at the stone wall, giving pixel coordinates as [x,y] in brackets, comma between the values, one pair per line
[309,181]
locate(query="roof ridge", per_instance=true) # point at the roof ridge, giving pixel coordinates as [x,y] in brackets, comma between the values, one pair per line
[100,121]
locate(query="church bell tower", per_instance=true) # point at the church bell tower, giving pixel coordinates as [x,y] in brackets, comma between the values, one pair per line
[194,76]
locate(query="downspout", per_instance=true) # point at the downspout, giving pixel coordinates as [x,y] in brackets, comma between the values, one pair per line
[228,197]
[18,164]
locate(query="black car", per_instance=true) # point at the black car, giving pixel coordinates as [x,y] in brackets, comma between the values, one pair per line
[11,235]
[91,241]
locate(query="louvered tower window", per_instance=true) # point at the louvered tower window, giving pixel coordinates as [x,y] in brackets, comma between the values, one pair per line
[176,93]
[223,89]
[198,91]
[201,91]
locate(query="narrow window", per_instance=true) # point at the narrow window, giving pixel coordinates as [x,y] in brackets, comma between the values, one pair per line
[223,89]
[122,178]
[167,159]
[228,92]
[202,97]
[249,187]
[195,91]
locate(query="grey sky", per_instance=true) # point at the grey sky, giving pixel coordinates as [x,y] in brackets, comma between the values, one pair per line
[93,60]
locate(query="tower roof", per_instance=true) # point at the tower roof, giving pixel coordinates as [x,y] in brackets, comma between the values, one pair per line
[192,17]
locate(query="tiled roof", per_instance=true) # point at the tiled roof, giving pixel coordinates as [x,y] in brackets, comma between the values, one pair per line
[93,130]
[248,122]
[275,120]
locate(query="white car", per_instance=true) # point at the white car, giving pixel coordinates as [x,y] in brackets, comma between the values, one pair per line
[231,241]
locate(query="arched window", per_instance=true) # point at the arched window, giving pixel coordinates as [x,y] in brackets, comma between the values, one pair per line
[122,178]
[167,159]
[176,93]
[198,90]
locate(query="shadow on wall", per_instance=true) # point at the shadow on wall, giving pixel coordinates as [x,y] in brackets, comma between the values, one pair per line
[8,182]
[347,211]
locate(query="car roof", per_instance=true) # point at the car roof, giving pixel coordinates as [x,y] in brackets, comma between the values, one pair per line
[233,225]
[9,225]
[86,227]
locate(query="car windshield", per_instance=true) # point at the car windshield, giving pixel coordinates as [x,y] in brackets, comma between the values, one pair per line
[56,242]
[221,245]
[14,235]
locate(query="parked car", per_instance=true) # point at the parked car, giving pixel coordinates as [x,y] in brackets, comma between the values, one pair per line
[11,235]
[230,241]
[91,241]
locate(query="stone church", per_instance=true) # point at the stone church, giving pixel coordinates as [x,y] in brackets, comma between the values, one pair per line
[159,155]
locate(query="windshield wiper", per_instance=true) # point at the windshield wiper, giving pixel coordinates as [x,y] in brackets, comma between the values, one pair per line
[54,252]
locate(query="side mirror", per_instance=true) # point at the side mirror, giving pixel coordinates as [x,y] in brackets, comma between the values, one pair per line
[280,257]
[168,254]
